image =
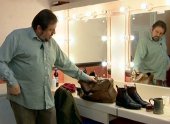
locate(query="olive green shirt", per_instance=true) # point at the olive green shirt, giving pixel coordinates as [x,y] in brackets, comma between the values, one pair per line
[27,60]
[151,57]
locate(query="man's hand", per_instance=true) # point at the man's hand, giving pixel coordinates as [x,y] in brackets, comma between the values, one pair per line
[92,78]
[14,89]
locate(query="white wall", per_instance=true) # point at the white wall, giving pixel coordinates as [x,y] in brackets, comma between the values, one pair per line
[18,14]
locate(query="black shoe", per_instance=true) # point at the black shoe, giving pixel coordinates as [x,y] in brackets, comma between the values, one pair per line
[131,90]
[124,100]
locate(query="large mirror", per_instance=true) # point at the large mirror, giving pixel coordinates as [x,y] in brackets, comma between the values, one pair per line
[88,44]
[142,23]
[88,40]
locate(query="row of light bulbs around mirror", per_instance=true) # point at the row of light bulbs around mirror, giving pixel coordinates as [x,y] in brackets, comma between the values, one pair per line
[106,13]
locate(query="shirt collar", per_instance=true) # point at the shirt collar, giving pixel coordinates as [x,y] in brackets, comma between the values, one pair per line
[33,34]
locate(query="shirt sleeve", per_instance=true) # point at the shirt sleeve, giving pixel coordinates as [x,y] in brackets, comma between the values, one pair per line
[7,52]
[140,53]
[64,64]
[168,66]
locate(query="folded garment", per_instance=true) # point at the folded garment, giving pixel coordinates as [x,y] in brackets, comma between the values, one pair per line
[70,87]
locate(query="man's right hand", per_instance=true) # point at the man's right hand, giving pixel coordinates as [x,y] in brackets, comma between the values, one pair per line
[14,89]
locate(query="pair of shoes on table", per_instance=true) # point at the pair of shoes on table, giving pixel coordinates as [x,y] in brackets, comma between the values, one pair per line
[128,97]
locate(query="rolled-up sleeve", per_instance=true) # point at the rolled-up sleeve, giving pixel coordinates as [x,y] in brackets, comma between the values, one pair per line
[64,64]
[7,52]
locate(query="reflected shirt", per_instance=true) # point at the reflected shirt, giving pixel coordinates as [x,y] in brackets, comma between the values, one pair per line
[27,60]
[151,57]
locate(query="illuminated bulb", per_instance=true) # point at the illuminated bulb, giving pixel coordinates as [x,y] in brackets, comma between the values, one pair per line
[144,6]
[167,2]
[104,38]
[122,9]
[88,14]
[131,64]
[132,37]
[133,18]
[104,63]
[74,17]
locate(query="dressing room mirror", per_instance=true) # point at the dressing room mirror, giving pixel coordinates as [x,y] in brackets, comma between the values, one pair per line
[142,23]
[88,40]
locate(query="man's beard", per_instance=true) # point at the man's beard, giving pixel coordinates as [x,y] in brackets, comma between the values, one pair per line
[156,38]
[45,39]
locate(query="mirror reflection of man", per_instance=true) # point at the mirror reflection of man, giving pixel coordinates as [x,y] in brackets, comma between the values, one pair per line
[151,54]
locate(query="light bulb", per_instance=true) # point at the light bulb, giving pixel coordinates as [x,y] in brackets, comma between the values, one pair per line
[122,9]
[132,37]
[104,63]
[88,14]
[167,2]
[104,38]
[144,6]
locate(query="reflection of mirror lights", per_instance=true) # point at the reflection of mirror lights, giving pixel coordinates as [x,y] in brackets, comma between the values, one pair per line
[168,2]
[104,63]
[104,38]
[122,9]
[133,17]
[132,37]
[88,14]
[144,6]
[74,17]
